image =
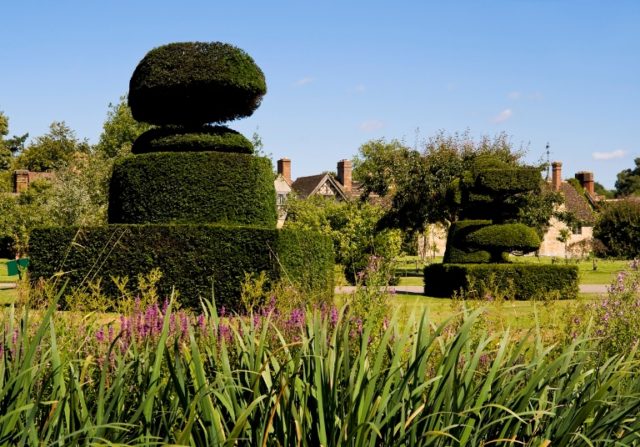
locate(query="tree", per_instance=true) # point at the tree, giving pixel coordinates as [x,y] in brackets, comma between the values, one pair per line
[351,226]
[9,146]
[628,182]
[599,189]
[618,228]
[119,131]
[422,185]
[52,150]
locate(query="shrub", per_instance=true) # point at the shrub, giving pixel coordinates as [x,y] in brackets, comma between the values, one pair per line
[457,249]
[195,83]
[193,258]
[206,138]
[505,237]
[193,187]
[528,281]
[618,228]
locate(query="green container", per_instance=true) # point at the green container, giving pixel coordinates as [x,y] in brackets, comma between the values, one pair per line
[17,266]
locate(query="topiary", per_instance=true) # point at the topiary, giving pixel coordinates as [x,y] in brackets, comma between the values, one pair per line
[193,83]
[182,139]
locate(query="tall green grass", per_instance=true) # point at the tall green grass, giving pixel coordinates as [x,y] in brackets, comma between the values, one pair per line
[326,380]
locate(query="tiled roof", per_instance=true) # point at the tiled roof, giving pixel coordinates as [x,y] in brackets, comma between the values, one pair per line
[306,186]
[577,204]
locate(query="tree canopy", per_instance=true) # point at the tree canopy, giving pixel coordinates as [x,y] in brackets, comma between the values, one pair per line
[422,184]
[52,150]
[628,182]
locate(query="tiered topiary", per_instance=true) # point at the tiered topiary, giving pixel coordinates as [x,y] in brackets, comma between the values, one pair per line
[490,198]
[203,205]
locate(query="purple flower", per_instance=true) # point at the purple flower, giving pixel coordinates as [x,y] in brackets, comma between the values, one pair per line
[296,318]
[201,322]
[100,334]
[333,316]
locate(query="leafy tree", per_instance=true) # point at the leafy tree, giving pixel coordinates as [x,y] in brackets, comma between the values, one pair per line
[618,228]
[628,182]
[598,188]
[8,146]
[422,185]
[119,131]
[352,227]
[52,150]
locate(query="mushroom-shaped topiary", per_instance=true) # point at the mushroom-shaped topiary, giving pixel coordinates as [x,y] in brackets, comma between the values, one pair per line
[181,139]
[193,83]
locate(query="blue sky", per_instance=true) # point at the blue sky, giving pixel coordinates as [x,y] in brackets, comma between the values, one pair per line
[340,73]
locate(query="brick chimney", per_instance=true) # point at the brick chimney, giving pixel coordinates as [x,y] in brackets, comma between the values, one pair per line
[586,181]
[344,174]
[20,180]
[284,169]
[556,175]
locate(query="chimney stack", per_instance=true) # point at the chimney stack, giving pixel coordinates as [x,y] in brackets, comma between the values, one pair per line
[20,180]
[284,169]
[556,175]
[586,181]
[344,174]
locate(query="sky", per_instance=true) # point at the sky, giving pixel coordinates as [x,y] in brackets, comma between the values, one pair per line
[341,73]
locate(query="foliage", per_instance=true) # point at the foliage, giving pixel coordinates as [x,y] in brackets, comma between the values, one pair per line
[20,214]
[618,228]
[194,187]
[205,138]
[505,237]
[119,131]
[613,319]
[628,181]
[9,146]
[527,281]
[192,258]
[52,150]
[193,83]
[351,226]
[160,376]
[423,185]
[599,189]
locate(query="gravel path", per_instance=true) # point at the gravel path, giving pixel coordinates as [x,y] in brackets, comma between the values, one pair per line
[584,288]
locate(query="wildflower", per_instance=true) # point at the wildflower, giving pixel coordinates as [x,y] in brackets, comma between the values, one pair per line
[202,322]
[100,335]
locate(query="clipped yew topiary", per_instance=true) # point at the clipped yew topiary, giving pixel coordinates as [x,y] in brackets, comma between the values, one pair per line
[192,83]
[479,244]
[185,139]
[192,200]
[193,187]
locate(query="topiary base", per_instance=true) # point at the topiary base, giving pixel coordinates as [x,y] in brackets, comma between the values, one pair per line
[524,281]
[192,258]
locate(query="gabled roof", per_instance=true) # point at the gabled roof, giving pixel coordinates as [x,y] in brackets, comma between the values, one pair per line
[312,184]
[577,203]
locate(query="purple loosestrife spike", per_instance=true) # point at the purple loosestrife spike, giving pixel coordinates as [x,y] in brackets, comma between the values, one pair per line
[333,316]
[100,334]
[202,323]
[165,306]
[223,311]
[184,323]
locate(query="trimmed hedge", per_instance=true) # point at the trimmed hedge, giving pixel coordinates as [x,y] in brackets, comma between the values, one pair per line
[457,249]
[530,281]
[189,256]
[193,187]
[180,139]
[505,237]
[195,83]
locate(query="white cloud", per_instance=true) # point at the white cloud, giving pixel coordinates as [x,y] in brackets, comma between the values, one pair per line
[304,81]
[502,116]
[609,155]
[371,125]
[514,96]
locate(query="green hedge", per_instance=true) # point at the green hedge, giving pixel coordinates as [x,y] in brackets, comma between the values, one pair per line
[530,281]
[189,256]
[457,249]
[193,187]
[181,139]
[505,237]
[195,83]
